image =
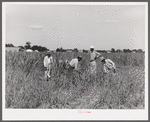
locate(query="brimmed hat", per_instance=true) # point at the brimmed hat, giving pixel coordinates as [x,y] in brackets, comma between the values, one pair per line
[92,47]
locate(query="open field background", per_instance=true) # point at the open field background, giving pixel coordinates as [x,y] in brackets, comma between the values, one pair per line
[26,86]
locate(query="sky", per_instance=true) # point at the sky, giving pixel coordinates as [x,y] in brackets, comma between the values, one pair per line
[76,26]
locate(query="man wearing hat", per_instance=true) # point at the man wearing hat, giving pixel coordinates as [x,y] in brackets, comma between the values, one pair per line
[94,55]
[109,65]
[48,62]
[74,63]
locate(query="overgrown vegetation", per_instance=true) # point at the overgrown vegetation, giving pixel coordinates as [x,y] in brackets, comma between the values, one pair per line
[26,86]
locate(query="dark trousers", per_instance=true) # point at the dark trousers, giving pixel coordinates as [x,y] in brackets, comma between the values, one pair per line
[70,71]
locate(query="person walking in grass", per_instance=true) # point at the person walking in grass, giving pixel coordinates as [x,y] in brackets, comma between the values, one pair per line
[94,55]
[109,66]
[48,62]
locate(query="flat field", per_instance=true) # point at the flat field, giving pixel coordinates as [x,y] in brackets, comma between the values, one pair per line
[26,87]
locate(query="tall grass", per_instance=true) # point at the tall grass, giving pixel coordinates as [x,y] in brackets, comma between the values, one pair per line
[26,86]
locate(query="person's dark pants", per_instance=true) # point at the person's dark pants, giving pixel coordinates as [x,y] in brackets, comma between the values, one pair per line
[70,71]
[114,71]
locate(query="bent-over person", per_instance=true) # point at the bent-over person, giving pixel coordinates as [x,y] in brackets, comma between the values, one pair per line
[73,65]
[109,65]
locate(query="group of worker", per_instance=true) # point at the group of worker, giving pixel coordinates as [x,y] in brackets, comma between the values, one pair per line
[108,65]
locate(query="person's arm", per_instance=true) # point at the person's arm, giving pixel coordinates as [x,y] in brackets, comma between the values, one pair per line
[52,61]
[67,61]
[97,55]
[112,63]
[45,61]
[76,65]
[105,70]
[71,63]
[114,66]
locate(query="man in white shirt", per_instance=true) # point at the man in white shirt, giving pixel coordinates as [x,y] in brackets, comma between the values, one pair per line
[94,55]
[109,65]
[48,62]
[74,63]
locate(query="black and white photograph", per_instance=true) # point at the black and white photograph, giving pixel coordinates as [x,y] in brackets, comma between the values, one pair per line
[75,60]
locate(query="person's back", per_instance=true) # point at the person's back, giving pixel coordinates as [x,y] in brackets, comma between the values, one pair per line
[73,66]
[74,63]
[109,63]
[47,60]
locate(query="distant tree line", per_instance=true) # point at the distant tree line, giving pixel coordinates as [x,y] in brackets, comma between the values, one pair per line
[60,50]
[85,51]
[102,51]
[120,51]
[65,50]
[126,50]
[28,46]
[9,45]
[70,50]
[41,49]
[34,47]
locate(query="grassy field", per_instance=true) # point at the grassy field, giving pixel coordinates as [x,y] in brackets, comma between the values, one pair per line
[26,86]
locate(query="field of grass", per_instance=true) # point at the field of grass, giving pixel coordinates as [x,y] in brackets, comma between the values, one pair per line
[26,86]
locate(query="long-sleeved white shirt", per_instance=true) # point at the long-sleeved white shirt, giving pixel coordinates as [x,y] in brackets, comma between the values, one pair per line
[94,54]
[48,61]
[74,63]
[109,65]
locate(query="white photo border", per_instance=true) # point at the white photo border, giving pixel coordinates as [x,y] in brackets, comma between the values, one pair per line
[69,114]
